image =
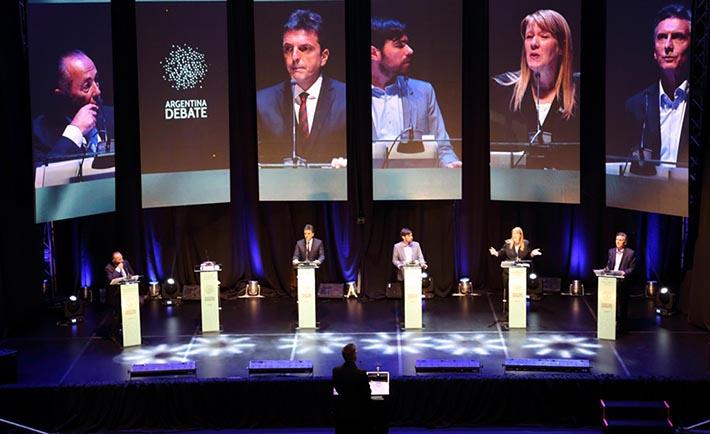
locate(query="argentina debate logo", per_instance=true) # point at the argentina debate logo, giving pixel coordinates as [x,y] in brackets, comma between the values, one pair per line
[185,68]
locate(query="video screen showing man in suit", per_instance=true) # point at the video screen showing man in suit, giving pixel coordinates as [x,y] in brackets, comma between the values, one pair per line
[76,123]
[301,120]
[404,109]
[71,107]
[648,128]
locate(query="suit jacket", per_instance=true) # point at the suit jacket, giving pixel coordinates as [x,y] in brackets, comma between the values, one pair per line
[351,382]
[276,120]
[399,258]
[317,252]
[507,253]
[515,126]
[420,111]
[628,260]
[638,112]
[112,273]
[49,145]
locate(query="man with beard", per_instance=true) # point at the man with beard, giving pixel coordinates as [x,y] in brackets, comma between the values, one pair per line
[401,103]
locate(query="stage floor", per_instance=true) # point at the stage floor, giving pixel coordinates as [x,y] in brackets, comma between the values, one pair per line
[455,328]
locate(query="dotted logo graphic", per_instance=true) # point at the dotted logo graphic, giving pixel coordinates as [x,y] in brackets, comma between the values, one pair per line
[184,67]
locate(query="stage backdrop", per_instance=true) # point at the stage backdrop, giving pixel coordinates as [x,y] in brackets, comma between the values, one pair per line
[183,102]
[288,63]
[633,118]
[72,108]
[416,100]
[527,165]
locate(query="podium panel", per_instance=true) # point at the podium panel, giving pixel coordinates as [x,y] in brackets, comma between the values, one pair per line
[306,297]
[606,308]
[412,297]
[130,315]
[209,300]
[517,289]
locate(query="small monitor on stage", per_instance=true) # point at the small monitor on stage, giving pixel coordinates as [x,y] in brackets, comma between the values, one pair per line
[379,383]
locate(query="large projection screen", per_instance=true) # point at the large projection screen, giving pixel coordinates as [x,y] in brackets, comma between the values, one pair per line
[535,142]
[183,102]
[71,97]
[647,106]
[415,55]
[300,100]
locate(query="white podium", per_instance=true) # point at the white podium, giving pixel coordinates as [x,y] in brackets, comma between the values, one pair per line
[306,295]
[606,304]
[412,296]
[130,314]
[517,292]
[209,298]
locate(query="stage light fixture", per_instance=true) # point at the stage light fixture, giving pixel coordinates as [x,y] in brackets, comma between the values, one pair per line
[427,288]
[154,289]
[171,292]
[73,311]
[464,287]
[533,276]
[351,289]
[665,302]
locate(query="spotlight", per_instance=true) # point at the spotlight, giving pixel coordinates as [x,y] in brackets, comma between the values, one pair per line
[351,289]
[665,302]
[73,311]
[427,287]
[154,289]
[464,287]
[171,293]
[533,276]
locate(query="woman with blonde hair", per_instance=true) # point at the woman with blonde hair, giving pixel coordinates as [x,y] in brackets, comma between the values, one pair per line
[516,248]
[540,102]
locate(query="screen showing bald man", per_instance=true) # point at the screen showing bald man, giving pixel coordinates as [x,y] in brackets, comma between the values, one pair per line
[71,94]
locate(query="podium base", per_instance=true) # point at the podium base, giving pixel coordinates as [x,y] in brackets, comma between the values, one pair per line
[404,329]
[200,332]
[250,296]
[299,328]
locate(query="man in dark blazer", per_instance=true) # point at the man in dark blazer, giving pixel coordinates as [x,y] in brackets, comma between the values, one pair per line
[659,113]
[309,248]
[118,267]
[309,108]
[76,122]
[623,259]
[353,400]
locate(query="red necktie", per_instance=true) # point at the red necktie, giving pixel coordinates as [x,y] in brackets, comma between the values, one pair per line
[303,116]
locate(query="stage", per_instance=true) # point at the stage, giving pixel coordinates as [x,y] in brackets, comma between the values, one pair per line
[84,379]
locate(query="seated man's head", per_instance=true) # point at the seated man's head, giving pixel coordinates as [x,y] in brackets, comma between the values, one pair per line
[303,48]
[77,80]
[671,39]
[117,258]
[350,352]
[390,52]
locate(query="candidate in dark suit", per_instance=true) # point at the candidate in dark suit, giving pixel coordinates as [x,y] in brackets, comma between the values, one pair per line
[399,102]
[516,107]
[309,248]
[517,248]
[407,251]
[76,122]
[309,108]
[658,115]
[118,267]
[353,400]
[623,259]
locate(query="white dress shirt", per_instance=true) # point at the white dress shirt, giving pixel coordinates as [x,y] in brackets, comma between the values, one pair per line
[672,114]
[311,101]
[543,109]
[617,261]
[408,254]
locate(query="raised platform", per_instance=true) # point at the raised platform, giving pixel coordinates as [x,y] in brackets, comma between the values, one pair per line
[71,379]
